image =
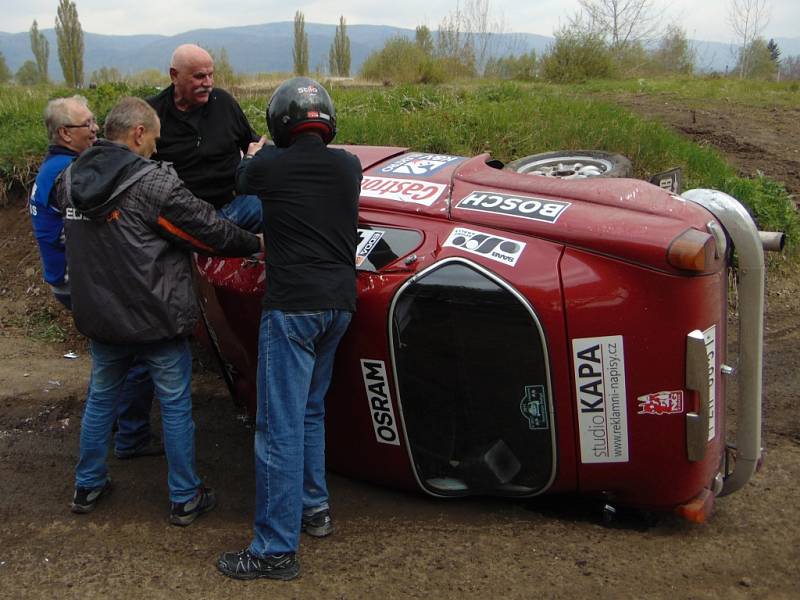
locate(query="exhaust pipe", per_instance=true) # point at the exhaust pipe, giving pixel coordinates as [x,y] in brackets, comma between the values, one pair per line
[772,241]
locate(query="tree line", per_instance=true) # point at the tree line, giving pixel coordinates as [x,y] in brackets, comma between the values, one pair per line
[603,39]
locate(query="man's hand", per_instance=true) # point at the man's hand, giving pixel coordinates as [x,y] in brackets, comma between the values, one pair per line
[256,146]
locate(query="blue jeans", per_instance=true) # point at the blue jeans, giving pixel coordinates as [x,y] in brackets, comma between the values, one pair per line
[295,362]
[244,211]
[170,366]
[134,402]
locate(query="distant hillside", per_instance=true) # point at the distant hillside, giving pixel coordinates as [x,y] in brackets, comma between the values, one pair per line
[268,47]
[251,49]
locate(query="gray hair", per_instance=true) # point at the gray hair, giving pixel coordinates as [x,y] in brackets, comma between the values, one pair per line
[57,114]
[127,114]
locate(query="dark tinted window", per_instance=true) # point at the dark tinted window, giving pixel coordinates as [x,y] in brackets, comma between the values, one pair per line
[381,246]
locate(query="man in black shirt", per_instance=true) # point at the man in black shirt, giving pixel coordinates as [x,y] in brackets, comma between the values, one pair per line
[310,203]
[203,134]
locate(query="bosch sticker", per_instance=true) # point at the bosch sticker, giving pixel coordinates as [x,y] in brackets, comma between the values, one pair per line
[524,207]
[420,165]
[367,239]
[661,403]
[402,190]
[600,391]
[494,247]
[380,401]
[533,407]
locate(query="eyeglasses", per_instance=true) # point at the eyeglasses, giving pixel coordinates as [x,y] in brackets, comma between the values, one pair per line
[90,123]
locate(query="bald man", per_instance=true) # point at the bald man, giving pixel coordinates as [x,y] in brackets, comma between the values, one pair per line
[203,133]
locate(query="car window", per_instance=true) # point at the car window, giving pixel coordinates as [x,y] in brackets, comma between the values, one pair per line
[380,246]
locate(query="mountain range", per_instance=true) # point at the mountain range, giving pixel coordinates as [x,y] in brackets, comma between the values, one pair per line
[268,47]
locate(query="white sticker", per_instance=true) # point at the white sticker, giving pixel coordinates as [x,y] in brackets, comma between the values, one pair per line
[710,336]
[602,402]
[380,401]
[523,207]
[494,247]
[402,190]
[367,239]
[419,164]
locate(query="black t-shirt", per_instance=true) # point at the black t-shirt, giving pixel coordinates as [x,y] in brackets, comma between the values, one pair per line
[203,144]
[309,194]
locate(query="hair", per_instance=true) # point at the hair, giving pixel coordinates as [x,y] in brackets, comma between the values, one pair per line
[57,114]
[127,114]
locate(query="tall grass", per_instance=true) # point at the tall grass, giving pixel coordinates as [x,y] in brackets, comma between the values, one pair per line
[509,120]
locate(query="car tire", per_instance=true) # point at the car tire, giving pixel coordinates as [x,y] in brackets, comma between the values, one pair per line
[573,164]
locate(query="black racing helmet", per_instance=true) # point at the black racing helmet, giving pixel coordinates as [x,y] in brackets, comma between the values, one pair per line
[300,104]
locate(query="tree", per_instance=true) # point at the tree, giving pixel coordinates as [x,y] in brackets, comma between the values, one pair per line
[300,52]
[748,18]
[760,64]
[5,73]
[224,74]
[27,74]
[339,58]
[424,39]
[69,35]
[105,75]
[674,53]
[790,68]
[622,22]
[41,51]
[467,35]
[577,54]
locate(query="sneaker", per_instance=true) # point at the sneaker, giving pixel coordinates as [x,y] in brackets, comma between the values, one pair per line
[152,447]
[243,565]
[85,499]
[319,524]
[184,513]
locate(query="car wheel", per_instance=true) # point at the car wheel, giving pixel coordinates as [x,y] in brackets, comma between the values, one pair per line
[575,164]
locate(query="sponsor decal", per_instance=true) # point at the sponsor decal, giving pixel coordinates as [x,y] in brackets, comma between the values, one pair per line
[312,114]
[367,239]
[380,401]
[325,116]
[500,249]
[310,89]
[661,403]
[710,336]
[600,392]
[524,207]
[402,190]
[533,407]
[418,164]
[73,214]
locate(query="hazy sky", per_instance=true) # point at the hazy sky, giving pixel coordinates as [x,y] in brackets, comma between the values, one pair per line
[702,19]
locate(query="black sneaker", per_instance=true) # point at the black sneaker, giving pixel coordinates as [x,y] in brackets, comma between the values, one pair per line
[152,447]
[319,524]
[85,499]
[184,513]
[243,565]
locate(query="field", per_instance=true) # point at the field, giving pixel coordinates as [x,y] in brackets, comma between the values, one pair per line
[399,545]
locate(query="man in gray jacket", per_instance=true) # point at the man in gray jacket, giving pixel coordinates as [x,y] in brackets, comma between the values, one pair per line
[130,225]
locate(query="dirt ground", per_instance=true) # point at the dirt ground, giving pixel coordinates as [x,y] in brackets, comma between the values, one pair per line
[387,544]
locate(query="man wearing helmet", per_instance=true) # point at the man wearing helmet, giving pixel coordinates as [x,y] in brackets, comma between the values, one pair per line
[309,195]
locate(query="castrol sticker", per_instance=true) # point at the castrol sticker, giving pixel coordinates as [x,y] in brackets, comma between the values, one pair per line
[402,190]
[661,403]
[600,391]
[380,401]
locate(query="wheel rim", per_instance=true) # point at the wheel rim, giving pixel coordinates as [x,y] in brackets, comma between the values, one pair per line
[568,167]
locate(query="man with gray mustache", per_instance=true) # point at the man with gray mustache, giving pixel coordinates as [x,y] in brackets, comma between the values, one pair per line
[203,134]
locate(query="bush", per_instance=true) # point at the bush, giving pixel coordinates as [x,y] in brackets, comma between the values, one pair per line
[576,56]
[402,61]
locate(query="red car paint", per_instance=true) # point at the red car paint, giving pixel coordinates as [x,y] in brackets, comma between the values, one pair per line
[593,271]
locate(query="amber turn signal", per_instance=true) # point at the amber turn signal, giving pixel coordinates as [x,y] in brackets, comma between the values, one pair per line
[693,250]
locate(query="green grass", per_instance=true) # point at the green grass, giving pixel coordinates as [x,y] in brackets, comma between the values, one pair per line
[509,120]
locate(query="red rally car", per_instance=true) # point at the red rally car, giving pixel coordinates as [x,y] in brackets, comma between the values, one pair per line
[543,326]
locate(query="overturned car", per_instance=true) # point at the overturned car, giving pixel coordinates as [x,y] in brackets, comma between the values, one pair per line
[544,326]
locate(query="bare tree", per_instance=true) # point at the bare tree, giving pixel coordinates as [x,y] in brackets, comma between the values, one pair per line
[41,51]
[470,33]
[300,51]
[70,43]
[747,18]
[623,22]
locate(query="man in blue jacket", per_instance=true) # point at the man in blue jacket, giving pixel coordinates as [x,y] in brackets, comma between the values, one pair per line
[71,129]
